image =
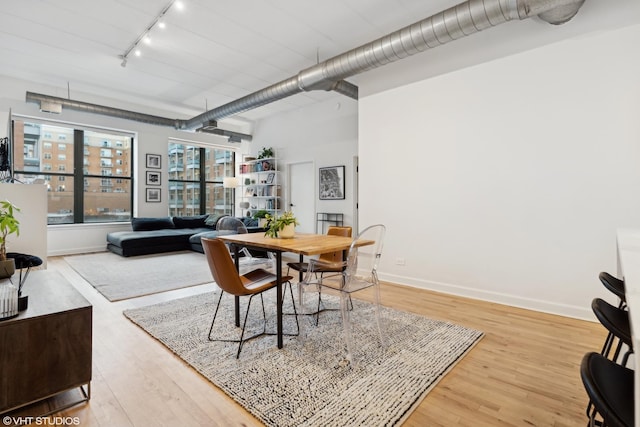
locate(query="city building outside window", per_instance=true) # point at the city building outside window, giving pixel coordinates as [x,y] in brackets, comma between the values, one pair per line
[80,190]
[187,183]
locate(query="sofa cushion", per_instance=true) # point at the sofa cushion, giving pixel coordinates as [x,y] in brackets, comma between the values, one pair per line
[250,222]
[212,220]
[150,224]
[190,221]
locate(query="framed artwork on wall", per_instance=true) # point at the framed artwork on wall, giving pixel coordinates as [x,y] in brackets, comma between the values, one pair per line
[331,183]
[153,195]
[154,178]
[154,161]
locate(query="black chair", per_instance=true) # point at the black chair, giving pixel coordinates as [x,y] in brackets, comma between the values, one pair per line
[615,285]
[610,390]
[616,321]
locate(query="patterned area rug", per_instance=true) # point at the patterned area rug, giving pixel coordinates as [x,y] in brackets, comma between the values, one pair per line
[308,383]
[119,278]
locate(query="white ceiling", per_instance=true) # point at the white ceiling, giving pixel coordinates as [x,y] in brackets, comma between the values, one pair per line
[213,52]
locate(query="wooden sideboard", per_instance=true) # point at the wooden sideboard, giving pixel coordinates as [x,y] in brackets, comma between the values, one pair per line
[46,349]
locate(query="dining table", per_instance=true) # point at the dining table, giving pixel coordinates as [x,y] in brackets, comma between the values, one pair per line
[303,244]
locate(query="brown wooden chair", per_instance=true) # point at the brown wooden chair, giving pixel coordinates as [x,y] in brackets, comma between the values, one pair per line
[250,284]
[325,266]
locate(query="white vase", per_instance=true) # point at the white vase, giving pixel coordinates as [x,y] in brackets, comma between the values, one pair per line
[8,299]
[287,232]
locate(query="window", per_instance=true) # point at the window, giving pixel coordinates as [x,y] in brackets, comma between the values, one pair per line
[80,189]
[192,192]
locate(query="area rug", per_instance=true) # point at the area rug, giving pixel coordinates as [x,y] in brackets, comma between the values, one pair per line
[119,278]
[308,382]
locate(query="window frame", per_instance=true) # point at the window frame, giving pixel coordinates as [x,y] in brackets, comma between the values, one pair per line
[78,174]
[202,182]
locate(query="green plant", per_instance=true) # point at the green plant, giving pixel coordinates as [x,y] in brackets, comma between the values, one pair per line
[276,224]
[260,214]
[8,225]
[265,153]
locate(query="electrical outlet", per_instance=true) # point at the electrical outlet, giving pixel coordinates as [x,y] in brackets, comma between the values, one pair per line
[400,261]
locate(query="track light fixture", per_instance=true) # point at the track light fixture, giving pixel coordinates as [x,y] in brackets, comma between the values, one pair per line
[144,36]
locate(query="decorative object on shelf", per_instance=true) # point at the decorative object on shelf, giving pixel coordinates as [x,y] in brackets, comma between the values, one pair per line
[281,227]
[153,195]
[265,153]
[154,161]
[8,225]
[154,178]
[270,178]
[331,183]
[245,205]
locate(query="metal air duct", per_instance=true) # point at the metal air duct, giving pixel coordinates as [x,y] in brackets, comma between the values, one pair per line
[456,22]
[103,110]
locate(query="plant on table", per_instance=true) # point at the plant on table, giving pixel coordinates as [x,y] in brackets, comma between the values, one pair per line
[276,224]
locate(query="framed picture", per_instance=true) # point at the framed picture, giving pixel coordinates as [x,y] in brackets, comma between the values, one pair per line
[153,195]
[154,178]
[331,183]
[154,161]
[271,177]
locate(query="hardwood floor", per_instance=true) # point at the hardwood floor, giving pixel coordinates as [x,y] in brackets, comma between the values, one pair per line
[525,371]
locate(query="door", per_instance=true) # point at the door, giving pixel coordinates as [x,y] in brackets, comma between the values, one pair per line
[302,195]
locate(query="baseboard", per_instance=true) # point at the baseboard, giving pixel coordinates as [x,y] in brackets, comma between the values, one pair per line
[78,251]
[550,307]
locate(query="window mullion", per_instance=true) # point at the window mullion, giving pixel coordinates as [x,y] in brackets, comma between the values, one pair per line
[78,176]
[203,183]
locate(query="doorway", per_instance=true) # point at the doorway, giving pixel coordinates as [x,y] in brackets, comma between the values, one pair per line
[302,195]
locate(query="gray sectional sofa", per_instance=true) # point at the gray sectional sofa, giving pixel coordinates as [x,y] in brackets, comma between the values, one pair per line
[168,234]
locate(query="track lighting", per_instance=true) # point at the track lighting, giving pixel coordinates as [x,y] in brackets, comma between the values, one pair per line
[144,36]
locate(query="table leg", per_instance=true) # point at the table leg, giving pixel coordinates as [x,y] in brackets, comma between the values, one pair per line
[300,272]
[279,297]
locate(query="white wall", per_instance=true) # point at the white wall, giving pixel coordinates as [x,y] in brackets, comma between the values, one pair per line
[32,202]
[67,239]
[514,174]
[324,133]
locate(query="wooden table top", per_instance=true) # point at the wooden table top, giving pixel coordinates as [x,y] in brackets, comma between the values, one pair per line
[301,243]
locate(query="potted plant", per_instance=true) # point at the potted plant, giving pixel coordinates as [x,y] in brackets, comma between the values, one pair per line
[282,226]
[266,153]
[8,225]
[261,216]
